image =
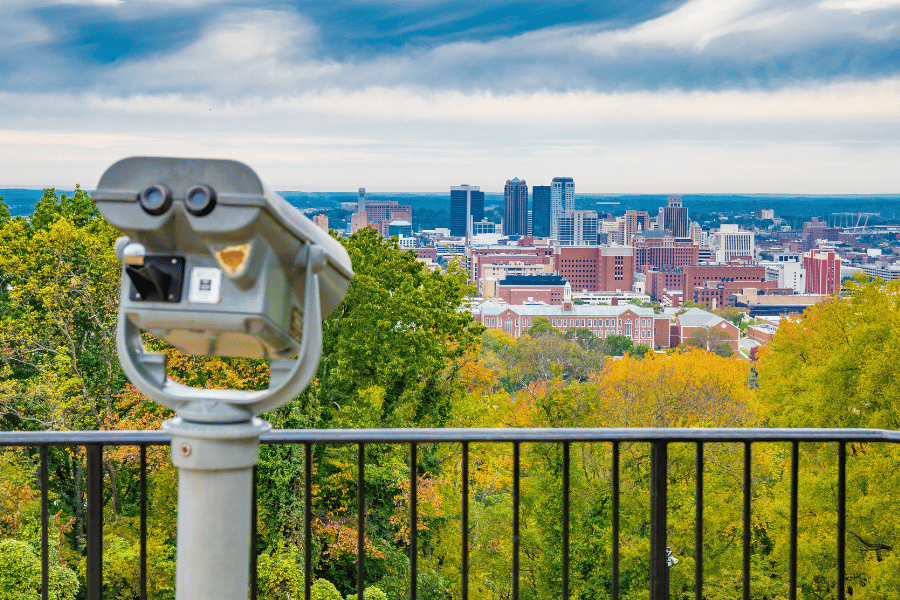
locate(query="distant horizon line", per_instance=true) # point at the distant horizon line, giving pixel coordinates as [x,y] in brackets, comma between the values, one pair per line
[500,193]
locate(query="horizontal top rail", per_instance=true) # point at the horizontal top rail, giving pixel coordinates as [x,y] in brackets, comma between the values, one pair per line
[405,436]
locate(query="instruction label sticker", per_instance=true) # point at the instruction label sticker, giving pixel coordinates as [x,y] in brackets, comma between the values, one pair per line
[206,285]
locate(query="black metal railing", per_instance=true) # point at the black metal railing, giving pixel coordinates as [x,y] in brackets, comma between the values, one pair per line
[658,438]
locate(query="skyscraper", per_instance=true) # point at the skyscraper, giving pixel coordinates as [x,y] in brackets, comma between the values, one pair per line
[466,207]
[562,198]
[515,207]
[540,209]
[578,228]
[674,217]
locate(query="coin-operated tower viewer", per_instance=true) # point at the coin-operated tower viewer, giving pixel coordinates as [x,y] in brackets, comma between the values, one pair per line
[215,264]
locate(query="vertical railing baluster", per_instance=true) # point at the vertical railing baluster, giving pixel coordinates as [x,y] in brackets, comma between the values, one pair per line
[659,481]
[143,517]
[254,490]
[842,519]
[615,521]
[515,537]
[413,520]
[465,521]
[361,521]
[45,525]
[747,459]
[565,521]
[698,526]
[307,521]
[795,493]
[94,488]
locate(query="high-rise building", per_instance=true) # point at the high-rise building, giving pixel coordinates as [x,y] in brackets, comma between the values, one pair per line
[562,198]
[661,250]
[515,207]
[361,202]
[578,228]
[385,210]
[732,243]
[674,217]
[321,221]
[636,221]
[823,271]
[540,208]
[466,207]
[595,268]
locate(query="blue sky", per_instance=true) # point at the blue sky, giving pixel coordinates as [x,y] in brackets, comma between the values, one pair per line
[690,96]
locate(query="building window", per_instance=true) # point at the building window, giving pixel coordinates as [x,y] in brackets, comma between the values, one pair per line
[509,325]
[627,328]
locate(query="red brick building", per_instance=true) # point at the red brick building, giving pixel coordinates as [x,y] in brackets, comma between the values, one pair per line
[386,210]
[716,295]
[635,322]
[595,268]
[544,288]
[661,250]
[823,272]
[428,253]
[663,284]
[498,255]
[697,276]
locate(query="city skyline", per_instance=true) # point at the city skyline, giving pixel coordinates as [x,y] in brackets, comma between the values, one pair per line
[686,96]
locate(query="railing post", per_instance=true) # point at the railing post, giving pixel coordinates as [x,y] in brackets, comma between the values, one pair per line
[413,521]
[45,525]
[94,567]
[659,570]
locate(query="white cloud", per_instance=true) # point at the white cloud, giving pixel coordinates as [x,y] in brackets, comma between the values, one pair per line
[761,25]
[248,51]
[827,139]
[859,6]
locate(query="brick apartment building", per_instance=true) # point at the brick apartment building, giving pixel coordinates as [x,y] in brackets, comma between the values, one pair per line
[586,268]
[662,250]
[823,271]
[665,286]
[478,257]
[386,210]
[595,268]
[697,276]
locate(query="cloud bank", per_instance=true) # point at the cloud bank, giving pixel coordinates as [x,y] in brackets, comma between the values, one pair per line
[703,95]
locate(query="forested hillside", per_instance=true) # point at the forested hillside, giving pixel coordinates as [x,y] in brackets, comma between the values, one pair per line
[399,353]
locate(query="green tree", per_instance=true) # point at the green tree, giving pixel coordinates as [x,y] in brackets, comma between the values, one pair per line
[370,593]
[398,327]
[639,351]
[836,367]
[541,326]
[617,345]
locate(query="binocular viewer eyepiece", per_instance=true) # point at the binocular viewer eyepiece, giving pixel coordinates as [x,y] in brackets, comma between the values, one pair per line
[216,264]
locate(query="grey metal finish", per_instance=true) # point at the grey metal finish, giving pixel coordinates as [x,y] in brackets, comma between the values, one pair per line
[407,436]
[215,474]
[214,263]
